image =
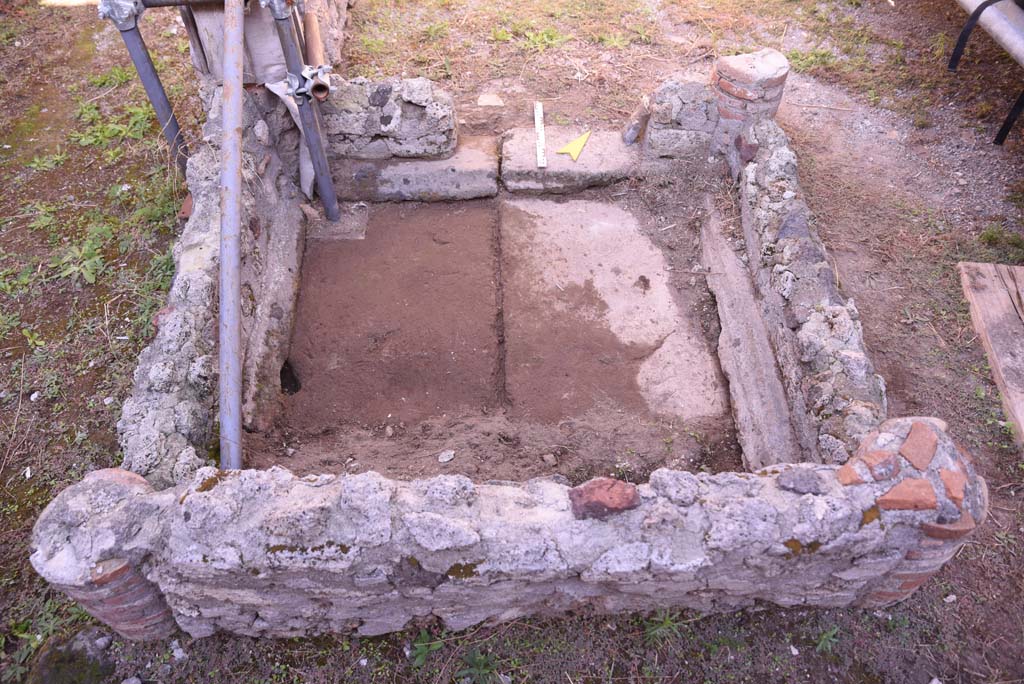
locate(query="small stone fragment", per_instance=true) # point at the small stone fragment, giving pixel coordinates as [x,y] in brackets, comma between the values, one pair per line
[801,481]
[177,652]
[919,447]
[445,456]
[883,464]
[490,100]
[34,396]
[187,205]
[103,642]
[550,460]
[912,494]
[602,497]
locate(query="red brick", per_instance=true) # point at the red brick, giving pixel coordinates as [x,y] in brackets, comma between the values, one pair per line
[888,595]
[964,453]
[186,207]
[954,482]
[726,112]
[883,464]
[912,494]
[919,447]
[941,555]
[602,497]
[911,585]
[914,576]
[739,91]
[950,531]
[746,150]
[848,476]
[107,571]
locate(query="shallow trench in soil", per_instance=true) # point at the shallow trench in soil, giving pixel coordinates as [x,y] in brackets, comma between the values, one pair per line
[529,336]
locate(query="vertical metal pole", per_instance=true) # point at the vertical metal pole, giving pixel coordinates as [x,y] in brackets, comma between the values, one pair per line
[308,117]
[157,97]
[230,330]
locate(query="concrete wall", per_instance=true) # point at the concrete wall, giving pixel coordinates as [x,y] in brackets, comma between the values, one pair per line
[166,424]
[836,397]
[266,553]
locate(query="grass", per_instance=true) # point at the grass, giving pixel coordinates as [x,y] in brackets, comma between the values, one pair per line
[1007,244]
[113,77]
[48,162]
[827,640]
[811,60]
[82,271]
[661,628]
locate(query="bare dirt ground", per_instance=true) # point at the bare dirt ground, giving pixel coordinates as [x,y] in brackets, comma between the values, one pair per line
[896,163]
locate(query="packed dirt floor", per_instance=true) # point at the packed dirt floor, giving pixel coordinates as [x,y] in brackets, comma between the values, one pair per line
[897,164]
[507,339]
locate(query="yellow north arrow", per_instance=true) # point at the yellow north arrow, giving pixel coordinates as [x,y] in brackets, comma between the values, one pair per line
[575,148]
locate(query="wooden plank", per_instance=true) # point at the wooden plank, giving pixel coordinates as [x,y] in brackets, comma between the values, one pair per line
[759,406]
[995,293]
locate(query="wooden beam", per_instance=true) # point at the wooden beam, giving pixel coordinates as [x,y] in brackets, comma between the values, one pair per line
[995,293]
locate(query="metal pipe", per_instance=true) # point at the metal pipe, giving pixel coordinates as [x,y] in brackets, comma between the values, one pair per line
[230,324]
[300,36]
[315,56]
[157,96]
[149,4]
[308,117]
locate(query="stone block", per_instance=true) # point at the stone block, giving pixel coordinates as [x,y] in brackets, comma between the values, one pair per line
[392,118]
[605,159]
[676,143]
[470,173]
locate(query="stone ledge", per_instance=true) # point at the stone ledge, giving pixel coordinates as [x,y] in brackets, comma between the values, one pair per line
[471,172]
[605,159]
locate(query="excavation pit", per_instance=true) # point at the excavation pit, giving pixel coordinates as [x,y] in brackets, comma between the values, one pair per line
[526,335]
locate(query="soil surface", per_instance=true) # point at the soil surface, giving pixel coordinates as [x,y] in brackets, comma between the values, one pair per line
[504,340]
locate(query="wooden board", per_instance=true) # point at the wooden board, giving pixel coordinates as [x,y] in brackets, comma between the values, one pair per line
[995,293]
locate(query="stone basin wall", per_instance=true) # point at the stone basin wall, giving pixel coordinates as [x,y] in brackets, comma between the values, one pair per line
[167,541]
[266,553]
